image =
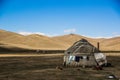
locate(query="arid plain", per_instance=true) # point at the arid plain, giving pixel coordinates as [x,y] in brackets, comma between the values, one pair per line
[17,65]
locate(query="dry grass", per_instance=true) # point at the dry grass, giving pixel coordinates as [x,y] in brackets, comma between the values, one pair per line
[44,68]
[112,54]
[10,39]
[29,55]
[105,44]
[31,42]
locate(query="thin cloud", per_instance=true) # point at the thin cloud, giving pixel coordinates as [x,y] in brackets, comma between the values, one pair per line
[70,31]
[116,34]
[29,33]
[98,37]
[39,33]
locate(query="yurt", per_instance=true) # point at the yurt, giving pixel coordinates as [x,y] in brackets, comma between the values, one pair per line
[82,53]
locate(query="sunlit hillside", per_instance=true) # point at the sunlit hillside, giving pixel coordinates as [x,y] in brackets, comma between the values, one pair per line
[10,39]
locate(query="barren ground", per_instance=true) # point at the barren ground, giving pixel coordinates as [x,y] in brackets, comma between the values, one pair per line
[40,67]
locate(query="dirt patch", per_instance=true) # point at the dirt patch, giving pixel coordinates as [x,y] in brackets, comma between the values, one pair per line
[44,68]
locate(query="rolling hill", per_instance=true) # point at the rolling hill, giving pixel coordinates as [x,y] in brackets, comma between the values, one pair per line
[71,38]
[29,42]
[11,40]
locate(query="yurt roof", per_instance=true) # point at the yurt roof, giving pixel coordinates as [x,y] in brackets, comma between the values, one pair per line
[82,46]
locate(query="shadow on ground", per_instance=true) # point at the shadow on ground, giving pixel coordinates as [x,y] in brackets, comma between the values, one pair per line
[44,68]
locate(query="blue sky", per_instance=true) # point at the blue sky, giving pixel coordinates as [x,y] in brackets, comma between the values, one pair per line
[94,18]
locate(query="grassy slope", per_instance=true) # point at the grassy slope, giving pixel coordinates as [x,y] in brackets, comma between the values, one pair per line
[52,43]
[71,38]
[31,41]
[105,44]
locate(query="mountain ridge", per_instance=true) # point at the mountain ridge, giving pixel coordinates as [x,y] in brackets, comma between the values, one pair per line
[36,41]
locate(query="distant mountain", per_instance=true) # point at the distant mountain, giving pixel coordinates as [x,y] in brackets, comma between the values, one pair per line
[11,40]
[72,38]
[44,42]
[111,44]
[105,44]
[69,39]
[34,41]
